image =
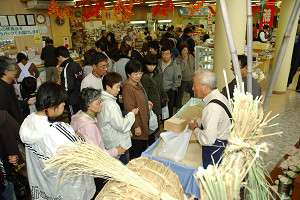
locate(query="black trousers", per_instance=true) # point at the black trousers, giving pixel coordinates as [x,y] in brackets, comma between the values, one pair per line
[295,64]
[138,146]
[172,97]
[99,182]
[184,85]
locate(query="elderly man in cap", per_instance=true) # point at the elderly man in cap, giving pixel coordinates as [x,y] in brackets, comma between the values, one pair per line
[134,53]
[213,129]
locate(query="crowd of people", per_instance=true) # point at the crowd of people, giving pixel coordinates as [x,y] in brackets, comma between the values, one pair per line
[108,102]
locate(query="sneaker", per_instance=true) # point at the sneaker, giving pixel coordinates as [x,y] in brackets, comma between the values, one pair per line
[298,90]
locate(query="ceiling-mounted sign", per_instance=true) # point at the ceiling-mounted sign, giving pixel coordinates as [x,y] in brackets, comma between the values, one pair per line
[18,30]
[184,11]
[110,15]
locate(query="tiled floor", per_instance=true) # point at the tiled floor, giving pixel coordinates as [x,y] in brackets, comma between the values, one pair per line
[288,107]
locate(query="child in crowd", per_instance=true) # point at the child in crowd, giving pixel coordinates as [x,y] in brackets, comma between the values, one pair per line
[42,137]
[28,95]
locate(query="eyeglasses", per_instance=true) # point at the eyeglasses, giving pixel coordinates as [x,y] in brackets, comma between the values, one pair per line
[97,102]
[103,66]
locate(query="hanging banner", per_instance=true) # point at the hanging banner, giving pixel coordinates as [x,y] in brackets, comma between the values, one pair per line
[209,21]
[278,5]
[19,30]
[267,16]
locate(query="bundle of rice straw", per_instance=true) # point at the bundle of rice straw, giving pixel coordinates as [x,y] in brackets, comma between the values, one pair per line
[221,182]
[84,158]
[246,130]
[150,170]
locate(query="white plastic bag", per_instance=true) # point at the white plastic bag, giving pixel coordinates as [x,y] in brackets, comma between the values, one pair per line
[175,145]
[165,113]
[153,124]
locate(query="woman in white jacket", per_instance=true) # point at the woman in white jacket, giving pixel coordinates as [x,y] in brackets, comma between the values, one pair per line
[115,127]
[42,137]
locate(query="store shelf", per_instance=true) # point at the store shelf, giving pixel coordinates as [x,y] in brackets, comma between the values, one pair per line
[204,57]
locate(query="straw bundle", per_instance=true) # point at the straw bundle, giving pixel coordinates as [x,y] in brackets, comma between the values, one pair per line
[149,170]
[222,182]
[246,130]
[84,158]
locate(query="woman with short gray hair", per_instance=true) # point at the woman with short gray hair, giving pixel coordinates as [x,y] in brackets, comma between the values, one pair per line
[85,123]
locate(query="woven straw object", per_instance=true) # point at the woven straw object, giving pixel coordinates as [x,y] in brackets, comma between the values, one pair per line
[154,172]
[192,112]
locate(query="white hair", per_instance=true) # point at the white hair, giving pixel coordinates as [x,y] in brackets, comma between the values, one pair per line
[207,77]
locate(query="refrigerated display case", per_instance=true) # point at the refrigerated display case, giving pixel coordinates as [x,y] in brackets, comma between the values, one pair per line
[204,58]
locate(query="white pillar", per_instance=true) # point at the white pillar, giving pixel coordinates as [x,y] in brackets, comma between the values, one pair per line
[238,20]
[285,13]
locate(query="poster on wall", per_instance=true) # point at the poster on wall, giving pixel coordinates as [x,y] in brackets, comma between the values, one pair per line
[12,19]
[21,20]
[37,38]
[43,29]
[4,20]
[19,30]
[30,20]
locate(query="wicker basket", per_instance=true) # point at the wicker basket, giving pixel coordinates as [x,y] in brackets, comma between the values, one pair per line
[156,173]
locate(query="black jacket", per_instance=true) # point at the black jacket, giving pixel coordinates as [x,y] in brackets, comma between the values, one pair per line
[9,101]
[74,78]
[105,42]
[48,54]
[9,137]
[135,54]
[190,41]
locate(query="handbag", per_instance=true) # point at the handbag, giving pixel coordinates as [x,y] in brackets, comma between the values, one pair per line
[21,186]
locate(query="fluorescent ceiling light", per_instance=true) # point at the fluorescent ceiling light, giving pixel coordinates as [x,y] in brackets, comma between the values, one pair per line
[181,3]
[138,22]
[164,20]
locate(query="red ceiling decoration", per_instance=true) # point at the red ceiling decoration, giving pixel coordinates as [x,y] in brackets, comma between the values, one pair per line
[91,10]
[195,7]
[162,8]
[125,8]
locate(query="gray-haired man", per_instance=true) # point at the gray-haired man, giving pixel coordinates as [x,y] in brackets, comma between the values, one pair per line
[213,129]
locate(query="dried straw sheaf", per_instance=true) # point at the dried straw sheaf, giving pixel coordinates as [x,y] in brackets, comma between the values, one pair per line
[242,148]
[84,158]
[149,170]
[222,182]
[246,130]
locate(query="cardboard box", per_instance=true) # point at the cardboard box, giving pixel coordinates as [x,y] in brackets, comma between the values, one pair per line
[175,124]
